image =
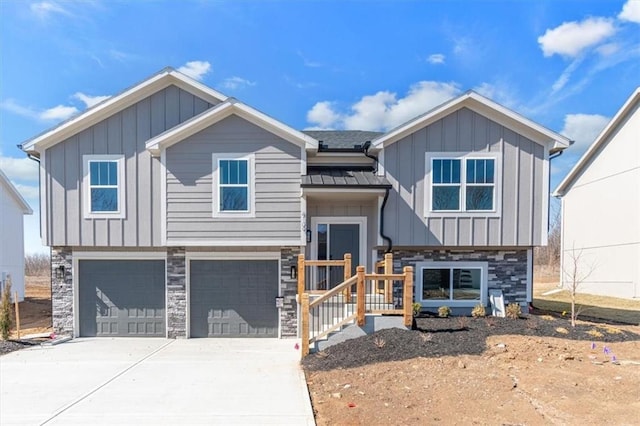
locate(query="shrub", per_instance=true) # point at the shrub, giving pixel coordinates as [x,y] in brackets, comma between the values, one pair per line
[513,310]
[463,322]
[5,309]
[479,311]
[444,311]
[417,307]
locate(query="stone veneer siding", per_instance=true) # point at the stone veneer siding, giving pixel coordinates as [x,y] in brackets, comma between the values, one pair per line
[507,269]
[176,292]
[176,310]
[288,290]
[62,290]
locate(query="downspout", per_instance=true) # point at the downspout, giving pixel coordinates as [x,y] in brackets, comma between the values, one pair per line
[365,151]
[384,237]
[551,157]
[37,160]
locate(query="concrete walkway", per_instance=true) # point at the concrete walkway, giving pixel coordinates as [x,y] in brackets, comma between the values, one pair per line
[155,381]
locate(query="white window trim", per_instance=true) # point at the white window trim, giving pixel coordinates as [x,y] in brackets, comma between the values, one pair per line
[340,220]
[86,181]
[463,156]
[251,202]
[433,303]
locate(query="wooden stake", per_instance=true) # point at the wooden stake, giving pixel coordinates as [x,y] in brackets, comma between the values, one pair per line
[304,312]
[361,295]
[408,296]
[15,301]
[301,276]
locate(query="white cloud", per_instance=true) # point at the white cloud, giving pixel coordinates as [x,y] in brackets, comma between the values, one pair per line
[235,82]
[22,169]
[608,49]
[565,76]
[12,106]
[196,69]
[436,58]
[89,100]
[499,93]
[46,8]
[383,110]
[583,129]
[58,113]
[572,38]
[308,62]
[323,115]
[28,192]
[631,11]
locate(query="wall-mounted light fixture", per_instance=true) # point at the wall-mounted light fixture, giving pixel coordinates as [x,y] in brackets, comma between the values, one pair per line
[293,272]
[308,235]
[60,272]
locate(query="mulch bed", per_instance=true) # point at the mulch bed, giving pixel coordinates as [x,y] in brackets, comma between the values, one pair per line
[7,346]
[437,337]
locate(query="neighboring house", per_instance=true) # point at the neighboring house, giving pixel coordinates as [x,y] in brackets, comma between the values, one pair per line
[174,210]
[12,210]
[601,209]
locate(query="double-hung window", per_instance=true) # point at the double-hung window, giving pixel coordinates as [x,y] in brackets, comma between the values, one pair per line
[104,186]
[461,183]
[233,185]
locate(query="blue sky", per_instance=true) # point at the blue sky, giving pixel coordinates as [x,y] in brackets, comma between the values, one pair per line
[369,65]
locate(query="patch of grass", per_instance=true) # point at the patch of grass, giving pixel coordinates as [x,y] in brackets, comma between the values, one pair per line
[562,330]
[609,330]
[592,306]
[594,333]
[547,317]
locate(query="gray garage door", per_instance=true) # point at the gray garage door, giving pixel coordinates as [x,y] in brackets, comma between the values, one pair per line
[122,297]
[233,298]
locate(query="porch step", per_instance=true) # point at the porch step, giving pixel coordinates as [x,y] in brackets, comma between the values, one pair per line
[372,324]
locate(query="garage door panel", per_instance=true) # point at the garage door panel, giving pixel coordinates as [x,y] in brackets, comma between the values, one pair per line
[233,298]
[122,297]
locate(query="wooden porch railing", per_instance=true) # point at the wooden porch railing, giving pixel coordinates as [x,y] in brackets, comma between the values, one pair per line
[333,309]
[312,279]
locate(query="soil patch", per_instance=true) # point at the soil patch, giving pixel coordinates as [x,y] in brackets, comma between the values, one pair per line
[35,313]
[436,337]
[535,371]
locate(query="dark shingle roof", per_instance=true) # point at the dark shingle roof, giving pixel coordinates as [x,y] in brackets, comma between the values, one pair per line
[339,178]
[342,139]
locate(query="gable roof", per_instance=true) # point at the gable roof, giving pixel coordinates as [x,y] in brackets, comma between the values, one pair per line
[221,111]
[486,107]
[128,97]
[602,138]
[4,181]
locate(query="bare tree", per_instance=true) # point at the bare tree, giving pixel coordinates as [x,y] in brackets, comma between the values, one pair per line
[37,264]
[575,271]
[549,255]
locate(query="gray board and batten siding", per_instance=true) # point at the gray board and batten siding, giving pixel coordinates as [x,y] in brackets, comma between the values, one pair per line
[123,133]
[519,220]
[190,206]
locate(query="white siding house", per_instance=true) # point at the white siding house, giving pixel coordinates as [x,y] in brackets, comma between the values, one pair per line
[601,208]
[12,209]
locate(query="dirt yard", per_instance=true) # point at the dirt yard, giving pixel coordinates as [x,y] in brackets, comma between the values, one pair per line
[35,311]
[457,374]
[531,371]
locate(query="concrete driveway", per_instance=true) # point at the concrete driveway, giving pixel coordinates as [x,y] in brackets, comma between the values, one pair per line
[155,381]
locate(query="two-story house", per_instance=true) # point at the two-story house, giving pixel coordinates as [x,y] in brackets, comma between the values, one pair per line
[173,210]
